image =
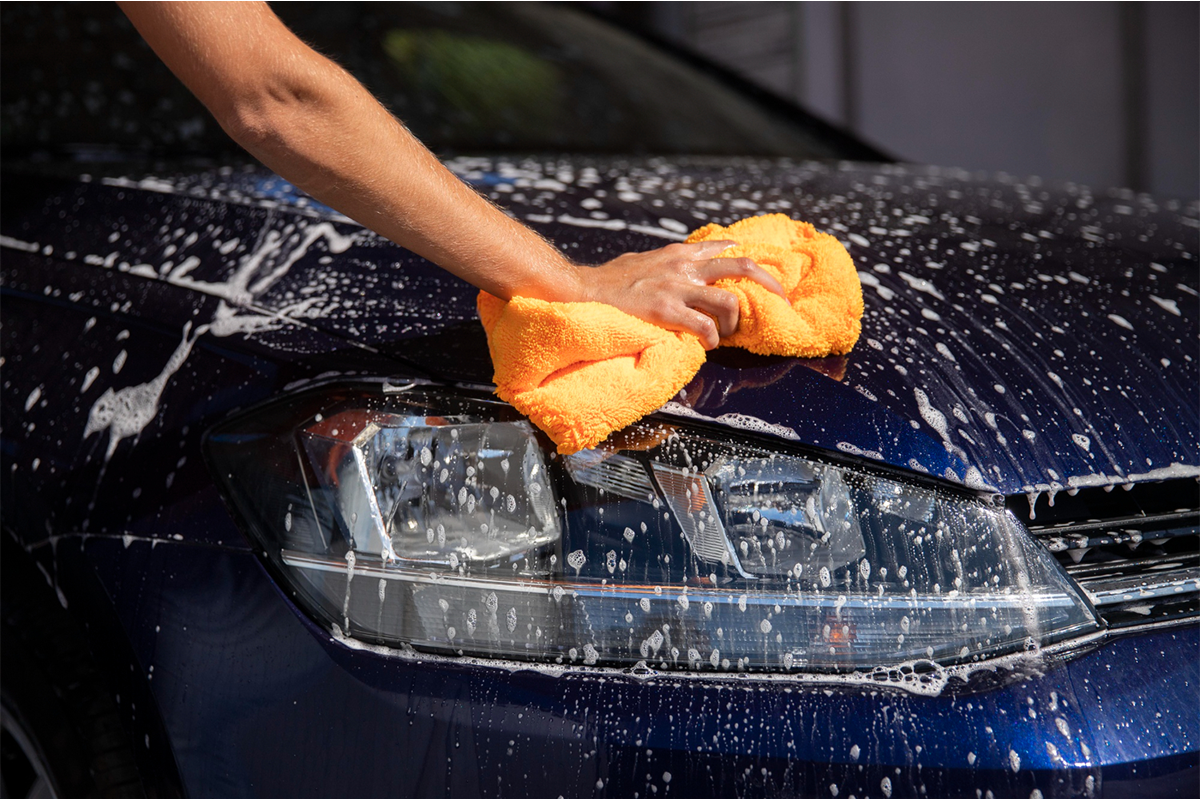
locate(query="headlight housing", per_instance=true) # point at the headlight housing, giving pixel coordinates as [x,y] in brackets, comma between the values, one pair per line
[441,519]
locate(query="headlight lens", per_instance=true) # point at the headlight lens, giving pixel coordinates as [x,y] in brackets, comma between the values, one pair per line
[443,520]
[422,491]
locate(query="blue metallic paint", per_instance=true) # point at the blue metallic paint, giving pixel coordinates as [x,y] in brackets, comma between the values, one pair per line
[1083,372]
[247,696]
[257,700]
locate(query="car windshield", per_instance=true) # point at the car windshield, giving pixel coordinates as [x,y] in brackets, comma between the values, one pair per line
[464,77]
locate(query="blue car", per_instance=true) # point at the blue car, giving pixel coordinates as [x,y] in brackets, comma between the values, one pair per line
[268,532]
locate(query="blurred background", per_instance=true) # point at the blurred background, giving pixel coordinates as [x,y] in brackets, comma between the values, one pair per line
[1106,94]
[1101,93]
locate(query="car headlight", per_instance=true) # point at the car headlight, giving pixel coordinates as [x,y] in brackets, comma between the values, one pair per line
[441,519]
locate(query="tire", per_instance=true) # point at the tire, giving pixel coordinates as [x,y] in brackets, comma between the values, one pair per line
[61,728]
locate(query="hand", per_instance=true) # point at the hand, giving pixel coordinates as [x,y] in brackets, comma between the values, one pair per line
[671,287]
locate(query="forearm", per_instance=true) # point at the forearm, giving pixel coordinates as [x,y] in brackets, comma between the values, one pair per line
[386,180]
[315,125]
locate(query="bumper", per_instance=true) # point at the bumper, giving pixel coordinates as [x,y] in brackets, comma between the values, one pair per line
[255,700]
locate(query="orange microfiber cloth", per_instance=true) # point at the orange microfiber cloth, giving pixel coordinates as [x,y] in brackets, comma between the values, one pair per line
[580,371]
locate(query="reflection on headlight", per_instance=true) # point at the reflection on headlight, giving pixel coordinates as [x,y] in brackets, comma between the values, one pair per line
[442,521]
[430,490]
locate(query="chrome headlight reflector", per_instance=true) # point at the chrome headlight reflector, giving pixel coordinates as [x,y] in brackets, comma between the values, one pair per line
[442,520]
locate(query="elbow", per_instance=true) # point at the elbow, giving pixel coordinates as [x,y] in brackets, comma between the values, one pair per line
[268,114]
[252,129]
[284,111]
[259,119]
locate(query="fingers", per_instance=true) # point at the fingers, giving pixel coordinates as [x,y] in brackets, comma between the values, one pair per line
[713,268]
[697,251]
[693,321]
[718,268]
[718,304]
[710,313]
[672,287]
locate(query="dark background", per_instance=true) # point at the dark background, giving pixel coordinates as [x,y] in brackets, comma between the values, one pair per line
[1106,94]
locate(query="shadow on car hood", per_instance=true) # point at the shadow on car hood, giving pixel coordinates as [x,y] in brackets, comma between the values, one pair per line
[1017,336]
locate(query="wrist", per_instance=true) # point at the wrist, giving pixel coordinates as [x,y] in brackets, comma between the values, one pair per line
[560,280]
[575,277]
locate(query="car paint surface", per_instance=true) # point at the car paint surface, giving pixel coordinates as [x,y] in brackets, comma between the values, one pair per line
[1037,337]
[1018,338]
[257,700]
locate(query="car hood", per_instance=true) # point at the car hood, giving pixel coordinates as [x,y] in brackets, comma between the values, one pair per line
[1017,336]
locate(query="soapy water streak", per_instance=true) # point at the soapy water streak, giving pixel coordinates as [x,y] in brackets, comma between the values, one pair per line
[126,412]
[1011,434]
[258,272]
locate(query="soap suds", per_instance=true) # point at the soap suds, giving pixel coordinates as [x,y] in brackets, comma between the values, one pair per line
[126,413]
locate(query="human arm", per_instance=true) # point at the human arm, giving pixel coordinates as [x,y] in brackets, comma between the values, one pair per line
[312,123]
